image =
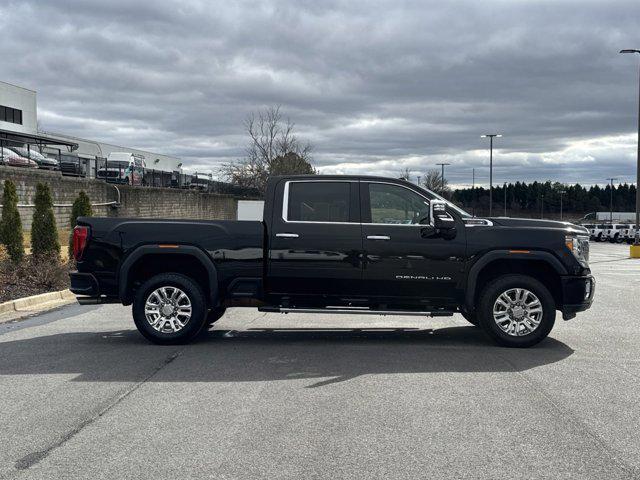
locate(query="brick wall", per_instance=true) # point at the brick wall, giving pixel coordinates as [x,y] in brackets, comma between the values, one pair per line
[136,202]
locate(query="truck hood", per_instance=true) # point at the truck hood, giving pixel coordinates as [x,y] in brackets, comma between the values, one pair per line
[537,223]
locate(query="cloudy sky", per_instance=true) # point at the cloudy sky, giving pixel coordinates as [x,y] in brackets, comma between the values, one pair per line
[376,86]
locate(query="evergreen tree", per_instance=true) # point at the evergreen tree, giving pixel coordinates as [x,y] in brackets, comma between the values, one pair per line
[11,226]
[81,208]
[44,233]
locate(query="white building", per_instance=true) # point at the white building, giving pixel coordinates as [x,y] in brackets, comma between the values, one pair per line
[19,126]
[18,109]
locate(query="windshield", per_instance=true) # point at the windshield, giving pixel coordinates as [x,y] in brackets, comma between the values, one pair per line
[116,164]
[453,206]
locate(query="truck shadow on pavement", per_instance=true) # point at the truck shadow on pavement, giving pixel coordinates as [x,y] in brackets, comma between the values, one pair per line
[323,356]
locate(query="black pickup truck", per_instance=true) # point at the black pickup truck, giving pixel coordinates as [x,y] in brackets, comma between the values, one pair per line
[341,244]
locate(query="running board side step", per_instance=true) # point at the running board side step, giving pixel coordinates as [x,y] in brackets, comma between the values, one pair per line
[357,310]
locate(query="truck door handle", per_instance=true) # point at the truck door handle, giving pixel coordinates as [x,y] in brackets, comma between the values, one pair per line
[378,237]
[287,235]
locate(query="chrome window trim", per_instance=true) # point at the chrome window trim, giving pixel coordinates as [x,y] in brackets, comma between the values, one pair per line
[285,204]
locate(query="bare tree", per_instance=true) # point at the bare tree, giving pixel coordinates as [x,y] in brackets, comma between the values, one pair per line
[405,174]
[273,149]
[432,180]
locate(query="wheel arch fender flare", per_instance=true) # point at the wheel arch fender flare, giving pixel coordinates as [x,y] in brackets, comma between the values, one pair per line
[187,250]
[494,255]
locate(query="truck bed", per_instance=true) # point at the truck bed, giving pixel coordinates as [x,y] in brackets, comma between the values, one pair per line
[236,248]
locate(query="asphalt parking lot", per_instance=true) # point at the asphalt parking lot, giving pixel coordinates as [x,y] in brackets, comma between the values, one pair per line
[301,396]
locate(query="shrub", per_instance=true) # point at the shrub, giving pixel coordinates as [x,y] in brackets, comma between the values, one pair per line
[11,226]
[44,233]
[81,208]
[32,276]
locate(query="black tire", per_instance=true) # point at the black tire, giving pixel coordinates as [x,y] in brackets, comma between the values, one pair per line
[198,309]
[491,293]
[215,314]
[472,318]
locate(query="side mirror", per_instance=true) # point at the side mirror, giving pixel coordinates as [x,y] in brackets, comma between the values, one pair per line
[440,219]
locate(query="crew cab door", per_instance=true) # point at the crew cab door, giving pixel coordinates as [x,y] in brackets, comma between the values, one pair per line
[315,239]
[400,264]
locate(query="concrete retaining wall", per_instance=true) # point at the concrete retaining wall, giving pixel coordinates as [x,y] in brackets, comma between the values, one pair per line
[136,202]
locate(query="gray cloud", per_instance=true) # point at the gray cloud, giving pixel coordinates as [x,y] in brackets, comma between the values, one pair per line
[376,86]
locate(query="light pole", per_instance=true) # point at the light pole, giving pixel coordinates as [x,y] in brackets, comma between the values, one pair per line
[442,174]
[491,136]
[636,242]
[505,199]
[562,192]
[611,200]
[473,190]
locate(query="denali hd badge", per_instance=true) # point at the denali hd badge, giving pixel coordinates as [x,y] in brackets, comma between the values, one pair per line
[420,277]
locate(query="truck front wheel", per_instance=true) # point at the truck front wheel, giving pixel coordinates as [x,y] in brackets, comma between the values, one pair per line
[516,310]
[169,308]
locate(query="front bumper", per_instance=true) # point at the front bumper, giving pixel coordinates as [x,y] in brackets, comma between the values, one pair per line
[577,294]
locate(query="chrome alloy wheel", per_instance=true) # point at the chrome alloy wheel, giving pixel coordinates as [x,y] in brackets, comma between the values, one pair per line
[517,312]
[167,309]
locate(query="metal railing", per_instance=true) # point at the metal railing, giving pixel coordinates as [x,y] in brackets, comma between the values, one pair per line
[101,169]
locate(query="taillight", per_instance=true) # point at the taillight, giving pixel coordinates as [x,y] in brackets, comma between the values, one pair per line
[80,237]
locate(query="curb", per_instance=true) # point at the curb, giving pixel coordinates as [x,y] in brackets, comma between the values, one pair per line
[35,301]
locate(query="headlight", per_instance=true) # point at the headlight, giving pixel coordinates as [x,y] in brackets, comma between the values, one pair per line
[579,246]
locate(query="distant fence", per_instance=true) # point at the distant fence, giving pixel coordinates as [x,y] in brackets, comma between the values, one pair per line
[117,172]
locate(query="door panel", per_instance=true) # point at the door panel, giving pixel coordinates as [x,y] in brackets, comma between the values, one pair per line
[399,263]
[315,244]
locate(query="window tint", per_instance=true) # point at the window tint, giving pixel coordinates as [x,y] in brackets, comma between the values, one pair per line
[396,205]
[318,202]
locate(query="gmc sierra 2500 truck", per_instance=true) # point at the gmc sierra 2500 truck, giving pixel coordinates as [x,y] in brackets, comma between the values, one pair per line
[341,244]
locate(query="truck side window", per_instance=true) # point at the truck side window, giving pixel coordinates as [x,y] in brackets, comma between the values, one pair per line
[393,204]
[318,202]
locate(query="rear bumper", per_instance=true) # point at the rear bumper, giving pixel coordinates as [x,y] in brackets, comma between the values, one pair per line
[84,284]
[577,294]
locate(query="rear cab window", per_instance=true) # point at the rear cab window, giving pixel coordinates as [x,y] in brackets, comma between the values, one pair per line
[320,202]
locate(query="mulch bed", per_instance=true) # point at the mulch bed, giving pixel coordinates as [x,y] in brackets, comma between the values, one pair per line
[31,277]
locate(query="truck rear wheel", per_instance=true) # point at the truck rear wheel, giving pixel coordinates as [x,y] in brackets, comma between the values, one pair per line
[516,310]
[169,308]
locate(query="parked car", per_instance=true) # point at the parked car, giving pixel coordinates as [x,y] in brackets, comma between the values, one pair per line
[613,232]
[42,161]
[72,165]
[12,159]
[338,244]
[629,234]
[123,167]
[597,232]
[589,227]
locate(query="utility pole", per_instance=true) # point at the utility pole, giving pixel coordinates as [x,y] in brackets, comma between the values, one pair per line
[505,199]
[542,206]
[611,200]
[418,180]
[442,174]
[636,242]
[491,136]
[562,192]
